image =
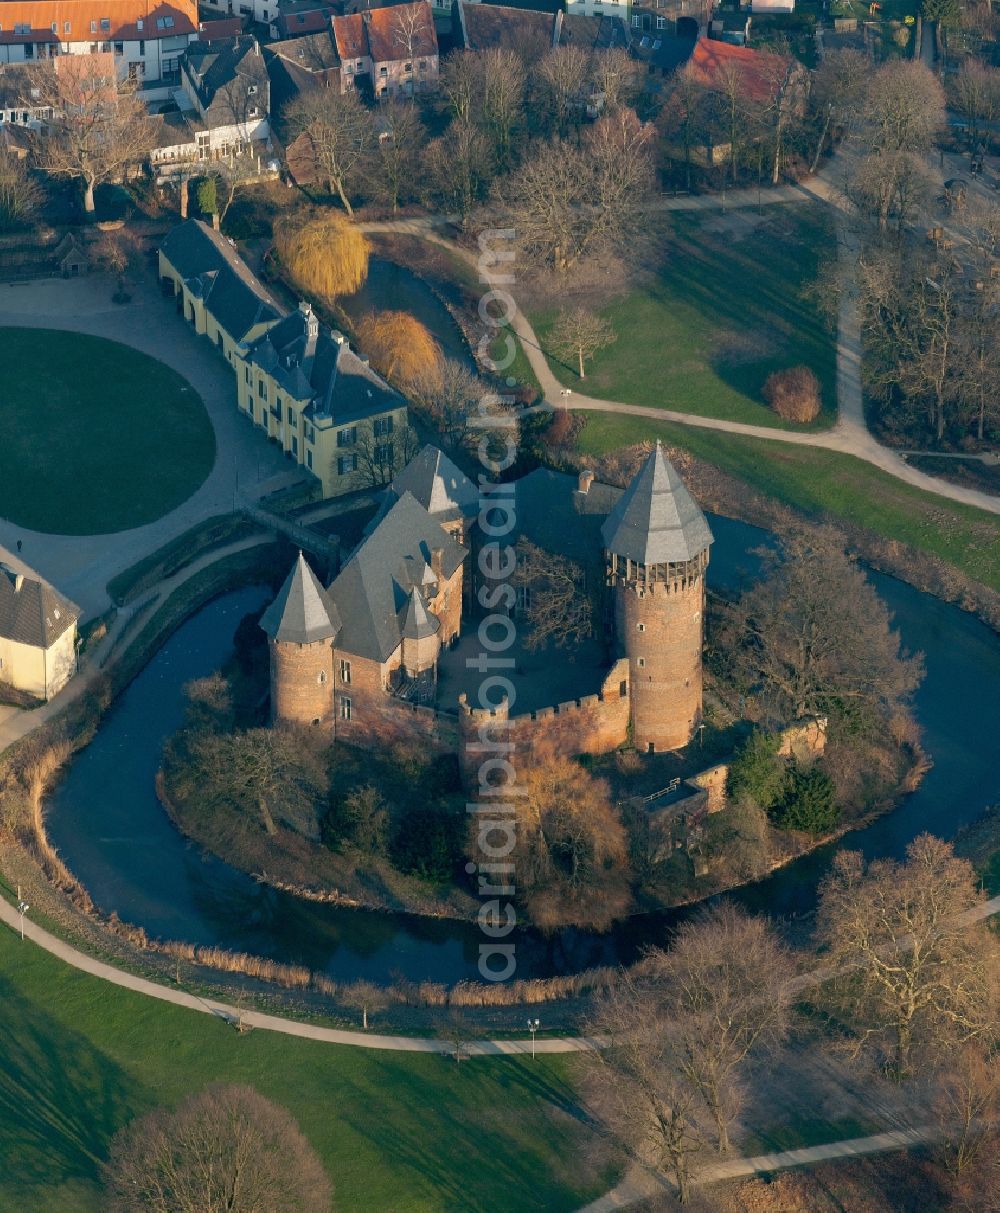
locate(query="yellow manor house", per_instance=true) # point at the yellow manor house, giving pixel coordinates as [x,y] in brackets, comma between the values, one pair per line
[300,382]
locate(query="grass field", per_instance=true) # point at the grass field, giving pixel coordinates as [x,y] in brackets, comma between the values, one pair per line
[79,1058]
[95,436]
[826,482]
[726,308]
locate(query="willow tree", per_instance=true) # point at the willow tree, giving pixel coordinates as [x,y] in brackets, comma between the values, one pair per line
[400,347]
[326,256]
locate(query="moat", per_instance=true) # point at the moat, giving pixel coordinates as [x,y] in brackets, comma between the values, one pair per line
[107,823]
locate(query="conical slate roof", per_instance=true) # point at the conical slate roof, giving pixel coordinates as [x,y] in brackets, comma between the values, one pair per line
[302,612]
[418,622]
[656,519]
[437,484]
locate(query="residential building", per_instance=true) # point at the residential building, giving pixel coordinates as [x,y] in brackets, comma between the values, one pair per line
[299,382]
[146,37]
[224,102]
[763,75]
[322,402]
[37,633]
[389,50]
[214,288]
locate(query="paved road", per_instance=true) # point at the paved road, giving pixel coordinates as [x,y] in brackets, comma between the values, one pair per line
[246,464]
[849,436]
[274,1023]
[640,1184]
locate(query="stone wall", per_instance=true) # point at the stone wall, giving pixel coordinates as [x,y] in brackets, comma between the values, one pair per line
[302,682]
[804,741]
[660,627]
[594,724]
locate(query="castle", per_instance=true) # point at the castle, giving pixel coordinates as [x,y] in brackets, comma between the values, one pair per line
[362,656]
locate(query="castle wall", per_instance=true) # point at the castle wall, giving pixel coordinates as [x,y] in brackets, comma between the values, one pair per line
[302,682]
[377,718]
[594,724]
[661,628]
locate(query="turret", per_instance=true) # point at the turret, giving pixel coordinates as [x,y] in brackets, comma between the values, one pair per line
[656,544]
[302,624]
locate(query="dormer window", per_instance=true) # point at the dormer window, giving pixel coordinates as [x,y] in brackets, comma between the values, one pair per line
[106,25]
[251,90]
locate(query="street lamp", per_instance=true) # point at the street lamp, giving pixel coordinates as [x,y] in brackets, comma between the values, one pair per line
[533,1026]
[22,909]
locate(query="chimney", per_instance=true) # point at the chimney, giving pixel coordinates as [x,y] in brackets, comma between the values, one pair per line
[184,198]
[584,481]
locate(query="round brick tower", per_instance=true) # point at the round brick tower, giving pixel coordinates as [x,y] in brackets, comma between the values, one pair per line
[656,545]
[302,624]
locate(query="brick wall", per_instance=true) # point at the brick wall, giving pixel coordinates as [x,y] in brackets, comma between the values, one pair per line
[302,682]
[661,631]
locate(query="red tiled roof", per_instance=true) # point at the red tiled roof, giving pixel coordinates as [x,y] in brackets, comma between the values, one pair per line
[761,73]
[349,35]
[123,16]
[404,31]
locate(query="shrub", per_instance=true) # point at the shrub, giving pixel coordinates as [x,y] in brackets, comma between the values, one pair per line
[757,772]
[428,843]
[808,803]
[793,394]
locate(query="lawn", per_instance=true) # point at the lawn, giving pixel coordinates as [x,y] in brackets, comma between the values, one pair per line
[826,482]
[727,307]
[79,1058]
[95,436]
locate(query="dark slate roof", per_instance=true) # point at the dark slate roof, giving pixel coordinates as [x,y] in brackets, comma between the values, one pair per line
[485,26]
[375,585]
[554,515]
[656,519]
[418,623]
[215,272]
[221,73]
[31,611]
[317,365]
[302,612]
[593,33]
[440,487]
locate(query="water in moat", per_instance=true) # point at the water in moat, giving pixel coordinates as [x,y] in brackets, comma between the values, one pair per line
[113,833]
[390,286]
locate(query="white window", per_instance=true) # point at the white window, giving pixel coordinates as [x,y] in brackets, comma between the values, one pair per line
[661,23]
[641,663]
[321,679]
[345,708]
[345,671]
[347,464]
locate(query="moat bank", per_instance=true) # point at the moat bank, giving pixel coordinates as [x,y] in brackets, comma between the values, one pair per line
[112,832]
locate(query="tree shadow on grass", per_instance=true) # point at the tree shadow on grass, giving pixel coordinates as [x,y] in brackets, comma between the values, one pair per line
[469,1132]
[61,1099]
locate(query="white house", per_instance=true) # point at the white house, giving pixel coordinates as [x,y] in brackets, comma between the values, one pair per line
[37,633]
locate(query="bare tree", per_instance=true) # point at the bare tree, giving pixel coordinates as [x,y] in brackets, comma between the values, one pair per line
[974,91]
[379,459]
[903,111]
[724,985]
[224,1150]
[20,195]
[562,78]
[966,1106]
[98,132]
[838,89]
[393,165]
[458,167]
[612,73]
[912,973]
[813,637]
[335,133]
[912,309]
[569,202]
[638,1084]
[579,334]
[450,393]
[557,605]
[570,854]
[412,28]
[278,773]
